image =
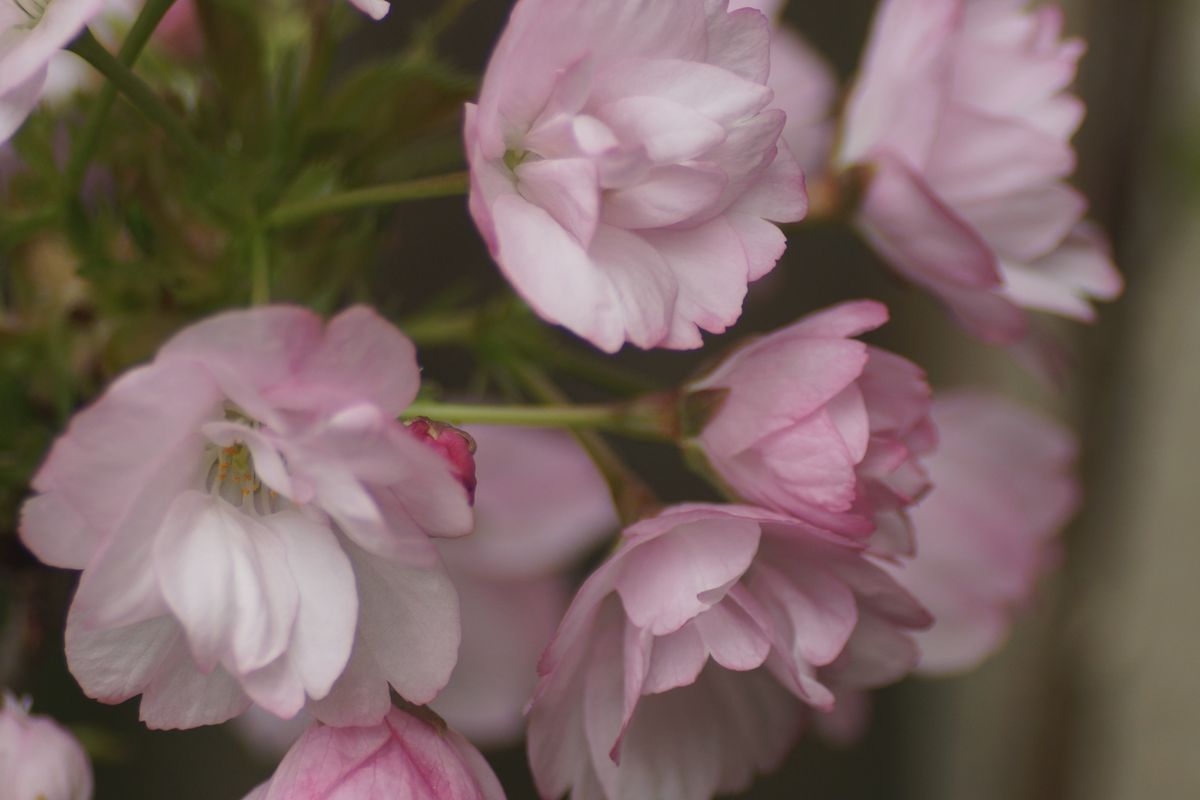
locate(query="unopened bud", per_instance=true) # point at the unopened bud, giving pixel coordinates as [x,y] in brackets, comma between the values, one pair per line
[453,444]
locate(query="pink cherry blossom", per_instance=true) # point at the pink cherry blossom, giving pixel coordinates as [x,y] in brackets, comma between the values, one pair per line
[1003,487]
[40,760]
[685,663]
[542,505]
[32,32]
[253,523]
[406,756]
[626,165]
[822,427]
[962,114]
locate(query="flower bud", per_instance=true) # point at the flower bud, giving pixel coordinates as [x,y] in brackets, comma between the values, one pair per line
[453,444]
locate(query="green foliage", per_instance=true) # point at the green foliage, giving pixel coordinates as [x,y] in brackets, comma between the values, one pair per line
[92,281]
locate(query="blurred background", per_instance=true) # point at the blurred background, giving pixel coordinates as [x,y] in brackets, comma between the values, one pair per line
[1097,695]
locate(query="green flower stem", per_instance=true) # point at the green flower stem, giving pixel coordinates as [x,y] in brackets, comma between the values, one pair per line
[138,93]
[431,330]
[450,185]
[143,28]
[632,498]
[466,328]
[628,419]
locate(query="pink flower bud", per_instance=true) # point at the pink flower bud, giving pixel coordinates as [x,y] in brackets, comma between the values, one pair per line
[39,760]
[822,427]
[409,755]
[452,444]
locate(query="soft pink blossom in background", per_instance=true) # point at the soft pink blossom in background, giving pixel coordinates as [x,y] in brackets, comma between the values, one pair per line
[27,45]
[805,88]
[541,507]
[1004,487]
[626,165]
[962,115]
[39,759]
[823,427]
[685,661]
[302,572]
[404,757]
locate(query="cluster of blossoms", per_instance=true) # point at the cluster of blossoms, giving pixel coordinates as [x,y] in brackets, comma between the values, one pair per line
[269,519]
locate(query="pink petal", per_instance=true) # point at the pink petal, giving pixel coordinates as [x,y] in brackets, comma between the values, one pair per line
[375,9]
[553,273]
[17,102]
[409,620]
[361,358]
[568,189]
[225,576]
[671,579]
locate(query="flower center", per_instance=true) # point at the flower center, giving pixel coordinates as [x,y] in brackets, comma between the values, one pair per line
[231,476]
[34,9]
[514,158]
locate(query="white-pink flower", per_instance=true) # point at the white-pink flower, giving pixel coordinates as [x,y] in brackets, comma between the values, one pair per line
[822,427]
[541,506]
[962,116]
[626,166]
[39,759]
[253,523]
[405,757]
[685,662]
[1004,486]
[31,33]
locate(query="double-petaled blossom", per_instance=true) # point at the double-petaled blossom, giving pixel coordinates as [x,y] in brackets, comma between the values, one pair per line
[39,760]
[542,505]
[1003,487]
[31,33]
[253,523]
[405,756]
[626,166]
[686,661]
[820,426]
[962,119]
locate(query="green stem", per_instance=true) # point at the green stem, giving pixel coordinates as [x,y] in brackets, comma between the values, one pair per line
[455,183]
[466,328]
[628,419]
[143,28]
[632,498]
[431,30]
[430,330]
[260,266]
[138,93]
